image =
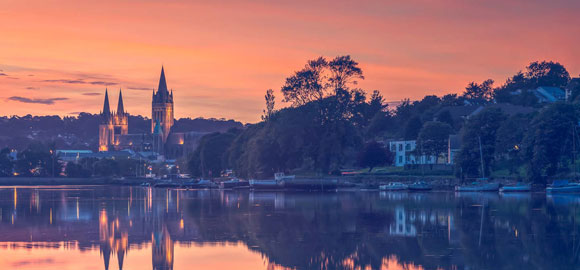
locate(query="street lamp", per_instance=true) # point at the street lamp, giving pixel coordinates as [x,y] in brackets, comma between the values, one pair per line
[52,168]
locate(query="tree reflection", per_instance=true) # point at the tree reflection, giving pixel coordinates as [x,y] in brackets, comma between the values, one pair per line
[358,230]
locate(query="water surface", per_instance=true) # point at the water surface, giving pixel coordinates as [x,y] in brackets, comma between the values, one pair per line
[147,228]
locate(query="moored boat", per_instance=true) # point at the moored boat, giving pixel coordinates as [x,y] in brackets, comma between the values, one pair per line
[167,184]
[563,186]
[478,187]
[234,183]
[280,176]
[276,183]
[264,184]
[394,186]
[420,186]
[519,187]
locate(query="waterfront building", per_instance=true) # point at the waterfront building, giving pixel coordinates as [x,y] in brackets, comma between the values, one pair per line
[405,153]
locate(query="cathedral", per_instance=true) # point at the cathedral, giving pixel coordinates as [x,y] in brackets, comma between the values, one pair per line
[114,127]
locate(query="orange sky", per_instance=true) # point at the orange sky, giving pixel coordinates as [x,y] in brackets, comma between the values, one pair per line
[57,56]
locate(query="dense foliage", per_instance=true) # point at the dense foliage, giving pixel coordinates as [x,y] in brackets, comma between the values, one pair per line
[332,125]
[321,132]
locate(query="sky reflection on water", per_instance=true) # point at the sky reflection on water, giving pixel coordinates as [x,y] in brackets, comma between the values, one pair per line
[148,228]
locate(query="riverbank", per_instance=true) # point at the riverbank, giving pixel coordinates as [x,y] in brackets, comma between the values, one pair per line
[53,181]
[442,182]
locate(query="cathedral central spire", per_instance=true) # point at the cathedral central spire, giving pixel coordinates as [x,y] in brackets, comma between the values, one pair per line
[162,107]
[162,88]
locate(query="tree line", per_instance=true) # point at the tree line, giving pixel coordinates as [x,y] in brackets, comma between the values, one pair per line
[41,160]
[332,125]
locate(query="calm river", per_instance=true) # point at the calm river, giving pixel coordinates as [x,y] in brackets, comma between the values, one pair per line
[148,228]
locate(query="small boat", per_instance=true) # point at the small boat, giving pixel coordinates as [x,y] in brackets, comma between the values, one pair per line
[420,186]
[264,184]
[478,187]
[234,183]
[276,183]
[393,186]
[280,176]
[563,186]
[519,187]
[167,184]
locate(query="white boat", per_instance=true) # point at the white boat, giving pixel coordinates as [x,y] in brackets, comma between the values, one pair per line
[420,186]
[277,182]
[265,184]
[234,183]
[519,187]
[563,186]
[393,186]
[282,177]
[478,187]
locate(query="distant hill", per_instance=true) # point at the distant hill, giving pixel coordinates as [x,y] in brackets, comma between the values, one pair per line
[81,132]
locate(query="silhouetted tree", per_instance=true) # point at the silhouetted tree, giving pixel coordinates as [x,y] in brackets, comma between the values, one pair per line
[76,170]
[374,154]
[344,70]
[433,138]
[548,146]
[509,139]
[482,126]
[209,159]
[479,93]
[38,159]
[445,117]
[412,128]
[308,84]
[270,102]
[547,74]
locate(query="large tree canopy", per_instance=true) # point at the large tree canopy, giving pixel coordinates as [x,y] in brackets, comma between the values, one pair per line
[548,147]
[433,138]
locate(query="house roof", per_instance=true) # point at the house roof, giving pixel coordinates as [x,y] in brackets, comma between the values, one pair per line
[506,108]
[551,93]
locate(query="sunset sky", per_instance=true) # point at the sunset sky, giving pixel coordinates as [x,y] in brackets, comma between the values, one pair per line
[57,56]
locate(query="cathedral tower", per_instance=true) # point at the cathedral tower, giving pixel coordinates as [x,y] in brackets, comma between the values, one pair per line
[120,119]
[106,134]
[162,107]
[113,124]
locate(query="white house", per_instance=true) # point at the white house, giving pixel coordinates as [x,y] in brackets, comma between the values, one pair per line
[404,153]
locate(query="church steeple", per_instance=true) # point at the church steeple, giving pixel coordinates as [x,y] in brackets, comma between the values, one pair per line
[106,108]
[162,88]
[120,107]
[162,107]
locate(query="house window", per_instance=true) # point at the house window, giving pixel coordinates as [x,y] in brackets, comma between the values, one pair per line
[408,147]
[400,147]
[400,159]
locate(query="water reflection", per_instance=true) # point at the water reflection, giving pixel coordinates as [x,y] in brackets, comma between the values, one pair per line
[147,228]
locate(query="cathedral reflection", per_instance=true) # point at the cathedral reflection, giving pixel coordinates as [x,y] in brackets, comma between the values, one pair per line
[292,230]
